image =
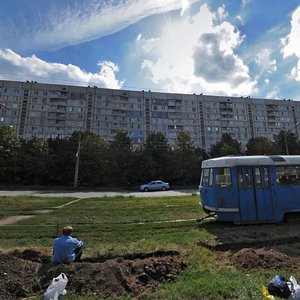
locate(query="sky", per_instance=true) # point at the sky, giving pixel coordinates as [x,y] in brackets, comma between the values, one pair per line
[230,47]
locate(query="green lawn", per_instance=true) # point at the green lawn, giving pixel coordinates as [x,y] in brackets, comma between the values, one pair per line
[10,206]
[121,225]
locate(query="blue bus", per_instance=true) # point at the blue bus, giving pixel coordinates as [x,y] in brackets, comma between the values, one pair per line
[251,189]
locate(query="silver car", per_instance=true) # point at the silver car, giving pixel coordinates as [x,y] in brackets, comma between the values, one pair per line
[156,185]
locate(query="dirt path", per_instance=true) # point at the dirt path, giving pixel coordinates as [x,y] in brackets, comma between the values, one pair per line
[15,219]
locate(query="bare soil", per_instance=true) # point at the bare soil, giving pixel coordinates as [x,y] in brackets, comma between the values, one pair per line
[28,272]
[266,246]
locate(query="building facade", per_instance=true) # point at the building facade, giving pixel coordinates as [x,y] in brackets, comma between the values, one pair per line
[52,110]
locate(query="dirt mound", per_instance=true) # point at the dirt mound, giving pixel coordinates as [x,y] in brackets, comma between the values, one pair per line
[249,258]
[28,272]
[268,246]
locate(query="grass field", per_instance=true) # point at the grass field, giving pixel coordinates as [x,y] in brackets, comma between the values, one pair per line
[122,225]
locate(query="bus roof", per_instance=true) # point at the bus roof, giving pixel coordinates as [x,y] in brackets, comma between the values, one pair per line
[253,160]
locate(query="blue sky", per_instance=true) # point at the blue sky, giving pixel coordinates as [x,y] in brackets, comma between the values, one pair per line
[233,47]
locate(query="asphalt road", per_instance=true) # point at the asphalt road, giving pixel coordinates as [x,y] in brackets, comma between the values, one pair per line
[96,194]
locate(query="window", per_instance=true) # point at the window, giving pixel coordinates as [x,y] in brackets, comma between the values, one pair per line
[288,175]
[223,177]
[258,183]
[207,178]
[266,177]
[244,178]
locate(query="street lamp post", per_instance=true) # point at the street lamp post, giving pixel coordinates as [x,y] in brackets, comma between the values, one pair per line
[77,161]
[286,141]
[2,105]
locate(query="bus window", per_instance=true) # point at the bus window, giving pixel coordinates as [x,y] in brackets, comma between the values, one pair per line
[240,177]
[223,177]
[244,182]
[248,178]
[280,175]
[288,175]
[207,178]
[258,183]
[266,177]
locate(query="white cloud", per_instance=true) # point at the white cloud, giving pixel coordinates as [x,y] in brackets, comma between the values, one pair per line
[295,72]
[221,13]
[197,55]
[244,3]
[15,67]
[67,23]
[273,94]
[185,5]
[290,43]
[265,62]
[240,20]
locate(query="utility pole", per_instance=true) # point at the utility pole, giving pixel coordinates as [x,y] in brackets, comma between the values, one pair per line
[286,143]
[285,138]
[2,105]
[77,161]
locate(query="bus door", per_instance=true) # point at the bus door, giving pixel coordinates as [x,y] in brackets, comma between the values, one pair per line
[263,194]
[255,194]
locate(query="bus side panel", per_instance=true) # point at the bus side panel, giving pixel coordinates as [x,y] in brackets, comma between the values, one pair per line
[287,200]
[247,206]
[208,197]
[265,205]
[221,203]
[228,201]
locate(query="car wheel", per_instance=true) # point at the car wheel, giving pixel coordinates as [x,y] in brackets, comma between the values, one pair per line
[163,188]
[146,189]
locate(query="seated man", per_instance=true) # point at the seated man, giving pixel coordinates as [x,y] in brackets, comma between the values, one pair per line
[66,248]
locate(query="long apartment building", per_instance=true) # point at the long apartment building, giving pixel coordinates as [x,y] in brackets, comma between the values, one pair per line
[52,110]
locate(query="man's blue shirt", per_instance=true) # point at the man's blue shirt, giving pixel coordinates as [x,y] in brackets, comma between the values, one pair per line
[64,249]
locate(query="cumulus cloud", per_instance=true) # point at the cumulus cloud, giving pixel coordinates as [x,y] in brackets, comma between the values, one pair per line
[295,72]
[198,54]
[290,43]
[265,62]
[274,93]
[221,13]
[15,67]
[65,23]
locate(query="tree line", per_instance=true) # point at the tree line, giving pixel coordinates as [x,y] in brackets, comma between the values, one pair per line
[118,163]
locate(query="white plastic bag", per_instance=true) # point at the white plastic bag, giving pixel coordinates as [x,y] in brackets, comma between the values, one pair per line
[56,289]
[295,289]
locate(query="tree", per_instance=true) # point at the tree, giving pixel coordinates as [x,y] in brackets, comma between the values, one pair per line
[34,161]
[157,148]
[142,167]
[260,146]
[286,142]
[227,146]
[9,151]
[61,159]
[95,167]
[120,156]
[185,160]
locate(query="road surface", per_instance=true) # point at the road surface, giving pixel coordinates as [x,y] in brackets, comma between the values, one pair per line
[97,194]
